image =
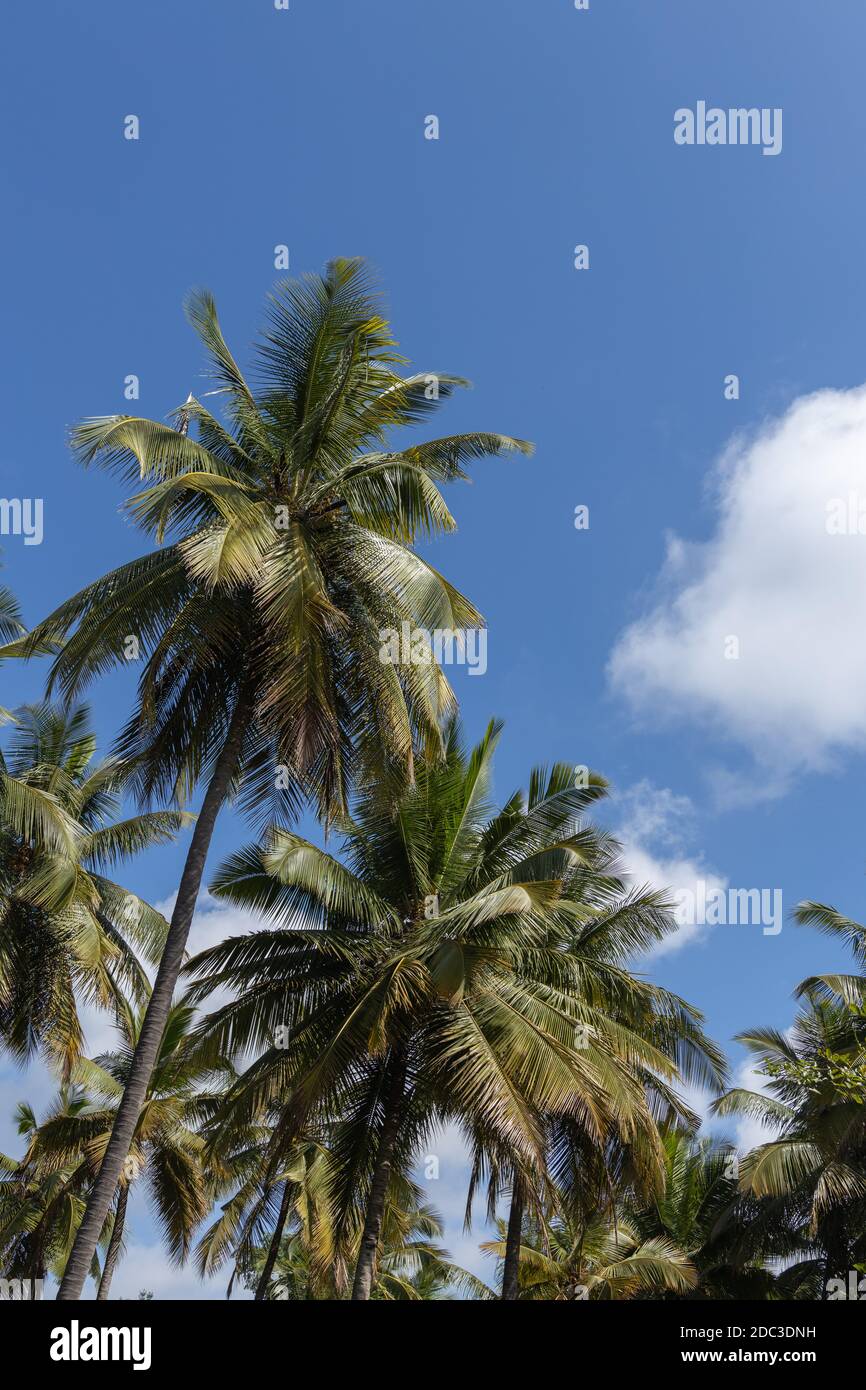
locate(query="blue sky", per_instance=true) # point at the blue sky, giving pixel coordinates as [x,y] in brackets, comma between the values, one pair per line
[306,128]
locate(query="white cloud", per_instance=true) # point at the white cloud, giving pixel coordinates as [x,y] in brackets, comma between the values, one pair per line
[447,1193]
[653,827]
[746,1132]
[214,921]
[792,594]
[145,1266]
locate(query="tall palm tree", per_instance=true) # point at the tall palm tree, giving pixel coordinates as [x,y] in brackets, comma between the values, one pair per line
[68,933]
[428,975]
[166,1152]
[290,524]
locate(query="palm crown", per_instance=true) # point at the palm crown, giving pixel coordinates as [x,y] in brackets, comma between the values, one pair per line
[289,527]
[459,964]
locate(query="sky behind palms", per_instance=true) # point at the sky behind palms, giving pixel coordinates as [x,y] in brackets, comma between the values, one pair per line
[306,128]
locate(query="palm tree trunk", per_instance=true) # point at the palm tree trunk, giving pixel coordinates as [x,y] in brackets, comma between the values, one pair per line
[126,1119]
[261,1287]
[112,1254]
[513,1242]
[393,1106]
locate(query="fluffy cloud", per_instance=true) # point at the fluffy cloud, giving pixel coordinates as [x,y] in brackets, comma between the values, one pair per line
[778,577]
[653,826]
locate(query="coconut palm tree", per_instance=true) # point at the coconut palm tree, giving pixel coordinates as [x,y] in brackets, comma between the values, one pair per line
[68,933]
[413,1265]
[429,975]
[812,1172]
[703,1213]
[41,1205]
[266,1198]
[566,1260]
[166,1152]
[290,525]
[585,1169]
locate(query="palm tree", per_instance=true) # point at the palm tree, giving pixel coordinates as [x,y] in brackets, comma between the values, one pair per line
[290,525]
[701,1211]
[812,1173]
[431,974]
[68,933]
[566,1260]
[265,1199]
[584,1170]
[413,1265]
[41,1205]
[166,1152]
[810,1177]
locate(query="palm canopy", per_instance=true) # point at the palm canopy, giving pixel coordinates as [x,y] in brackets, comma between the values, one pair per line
[457,962]
[285,532]
[850,988]
[68,933]
[812,1170]
[41,1203]
[564,1260]
[701,1210]
[65,1148]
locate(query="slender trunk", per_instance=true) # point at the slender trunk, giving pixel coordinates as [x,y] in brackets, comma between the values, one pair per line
[513,1242]
[261,1288]
[112,1254]
[365,1269]
[159,1005]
